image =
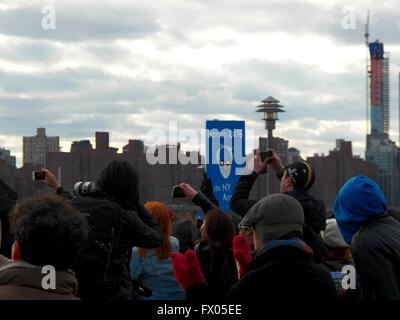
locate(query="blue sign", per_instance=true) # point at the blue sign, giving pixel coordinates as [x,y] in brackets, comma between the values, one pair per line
[225,157]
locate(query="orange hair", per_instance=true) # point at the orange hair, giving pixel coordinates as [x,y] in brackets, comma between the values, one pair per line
[163,217]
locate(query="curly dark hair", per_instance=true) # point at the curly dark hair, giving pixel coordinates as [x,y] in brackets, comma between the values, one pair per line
[49,231]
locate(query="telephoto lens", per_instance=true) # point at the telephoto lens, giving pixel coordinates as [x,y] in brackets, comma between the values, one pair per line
[83,188]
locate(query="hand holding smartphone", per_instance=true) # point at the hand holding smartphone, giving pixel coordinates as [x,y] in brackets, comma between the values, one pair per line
[177,192]
[265,155]
[38,175]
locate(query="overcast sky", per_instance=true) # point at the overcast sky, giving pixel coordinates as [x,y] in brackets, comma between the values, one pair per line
[130,66]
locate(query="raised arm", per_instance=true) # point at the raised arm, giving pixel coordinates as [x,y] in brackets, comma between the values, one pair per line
[240,202]
[197,197]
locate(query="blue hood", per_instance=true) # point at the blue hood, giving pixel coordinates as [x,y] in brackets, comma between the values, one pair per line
[359,199]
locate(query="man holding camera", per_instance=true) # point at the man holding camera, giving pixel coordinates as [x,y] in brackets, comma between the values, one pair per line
[295,180]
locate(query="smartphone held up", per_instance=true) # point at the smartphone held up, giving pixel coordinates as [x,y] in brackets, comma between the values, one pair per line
[38,175]
[177,192]
[266,155]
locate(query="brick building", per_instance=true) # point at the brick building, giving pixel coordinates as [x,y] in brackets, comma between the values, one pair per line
[333,170]
[83,163]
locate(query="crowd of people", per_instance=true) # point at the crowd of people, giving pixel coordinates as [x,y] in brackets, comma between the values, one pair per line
[107,245]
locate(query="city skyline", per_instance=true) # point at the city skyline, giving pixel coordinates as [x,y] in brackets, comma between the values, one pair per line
[131,75]
[85,160]
[259,142]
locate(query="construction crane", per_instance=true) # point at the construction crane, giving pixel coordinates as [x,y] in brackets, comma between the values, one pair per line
[367,73]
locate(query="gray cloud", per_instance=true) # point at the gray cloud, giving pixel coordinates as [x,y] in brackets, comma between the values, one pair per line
[76,21]
[109,62]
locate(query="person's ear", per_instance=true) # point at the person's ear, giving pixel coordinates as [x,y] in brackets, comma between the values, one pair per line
[256,239]
[16,251]
[288,182]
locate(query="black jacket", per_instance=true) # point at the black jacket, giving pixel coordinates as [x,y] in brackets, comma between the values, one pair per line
[283,274]
[280,274]
[314,211]
[203,202]
[219,269]
[137,228]
[376,254]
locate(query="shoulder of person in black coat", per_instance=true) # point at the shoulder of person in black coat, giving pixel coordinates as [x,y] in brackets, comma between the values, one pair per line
[314,209]
[138,227]
[292,276]
[377,240]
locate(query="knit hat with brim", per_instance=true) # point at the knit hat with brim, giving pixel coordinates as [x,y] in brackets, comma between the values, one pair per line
[279,214]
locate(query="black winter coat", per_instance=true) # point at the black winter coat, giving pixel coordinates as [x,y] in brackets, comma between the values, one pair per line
[283,274]
[280,274]
[376,254]
[138,228]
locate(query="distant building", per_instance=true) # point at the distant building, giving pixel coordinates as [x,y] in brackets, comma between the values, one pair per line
[293,155]
[379,88]
[83,163]
[385,154]
[278,144]
[35,148]
[333,170]
[380,150]
[5,155]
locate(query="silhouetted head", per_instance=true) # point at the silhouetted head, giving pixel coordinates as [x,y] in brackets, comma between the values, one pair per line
[119,180]
[218,229]
[48,231]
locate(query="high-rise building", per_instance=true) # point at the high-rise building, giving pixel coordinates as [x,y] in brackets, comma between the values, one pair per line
[379,86]
[6,156]
[385,154]
[36,147]
[380,150]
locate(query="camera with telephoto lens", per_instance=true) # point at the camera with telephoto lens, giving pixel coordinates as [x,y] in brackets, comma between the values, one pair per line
[83,188]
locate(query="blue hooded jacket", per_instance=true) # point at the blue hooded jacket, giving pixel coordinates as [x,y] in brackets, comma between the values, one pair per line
[358,200]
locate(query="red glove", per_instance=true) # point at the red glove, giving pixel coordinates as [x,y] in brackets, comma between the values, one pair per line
[187,269]
[241,252]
